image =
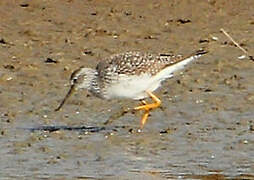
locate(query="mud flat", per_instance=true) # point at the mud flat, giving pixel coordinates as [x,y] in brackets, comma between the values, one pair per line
[204,130]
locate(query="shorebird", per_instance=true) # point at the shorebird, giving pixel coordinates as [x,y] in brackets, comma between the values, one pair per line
[133,75]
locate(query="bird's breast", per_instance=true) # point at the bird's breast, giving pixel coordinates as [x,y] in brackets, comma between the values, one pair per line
[133,87]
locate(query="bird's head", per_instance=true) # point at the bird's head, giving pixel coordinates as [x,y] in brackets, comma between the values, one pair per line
[80,79]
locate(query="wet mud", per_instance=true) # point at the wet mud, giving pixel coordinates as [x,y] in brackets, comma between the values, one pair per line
[203,130]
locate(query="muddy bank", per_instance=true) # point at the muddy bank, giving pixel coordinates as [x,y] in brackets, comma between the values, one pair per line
[204,129]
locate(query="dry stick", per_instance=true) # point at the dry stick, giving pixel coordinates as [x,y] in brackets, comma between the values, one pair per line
[237,44]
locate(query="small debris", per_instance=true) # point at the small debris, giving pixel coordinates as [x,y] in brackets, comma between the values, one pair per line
[24,5]
[132,130]
[2,41]
[203,41]
[236,44]
[245,141]
[251,128]
[214,38]
[167,131]
[7,77]
[250,97]
[183,21]
[242,57]
[94,13]
[45,116]
[2,132]
[207,90]
[88,52]
[199,101]
[9,67]
[115,36]
[49,60]
[128,13]
[150,37]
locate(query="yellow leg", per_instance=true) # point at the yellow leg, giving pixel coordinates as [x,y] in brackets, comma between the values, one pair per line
[144,119]
[157,103]
[148,107]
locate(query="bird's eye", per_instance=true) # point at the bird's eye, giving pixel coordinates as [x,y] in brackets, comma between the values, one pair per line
[74,80]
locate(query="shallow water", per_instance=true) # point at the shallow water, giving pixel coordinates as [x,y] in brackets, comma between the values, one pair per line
[204,129]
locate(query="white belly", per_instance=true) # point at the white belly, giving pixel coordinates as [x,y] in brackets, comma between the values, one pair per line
[135,87]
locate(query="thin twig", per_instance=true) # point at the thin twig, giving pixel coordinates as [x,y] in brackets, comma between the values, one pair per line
[237,44]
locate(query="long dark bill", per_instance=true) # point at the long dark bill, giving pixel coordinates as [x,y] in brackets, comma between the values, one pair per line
[70,92]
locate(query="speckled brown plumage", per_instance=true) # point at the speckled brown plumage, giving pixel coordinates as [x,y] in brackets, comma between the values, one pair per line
[129,74]
[132,63]
[135,63]
[132,75]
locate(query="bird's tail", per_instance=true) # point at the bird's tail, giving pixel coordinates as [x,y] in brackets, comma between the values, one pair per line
[179,63]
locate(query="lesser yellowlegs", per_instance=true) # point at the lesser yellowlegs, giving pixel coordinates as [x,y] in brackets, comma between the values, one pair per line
[132,75]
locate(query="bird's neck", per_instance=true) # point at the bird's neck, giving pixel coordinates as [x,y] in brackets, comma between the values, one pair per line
[94,86]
